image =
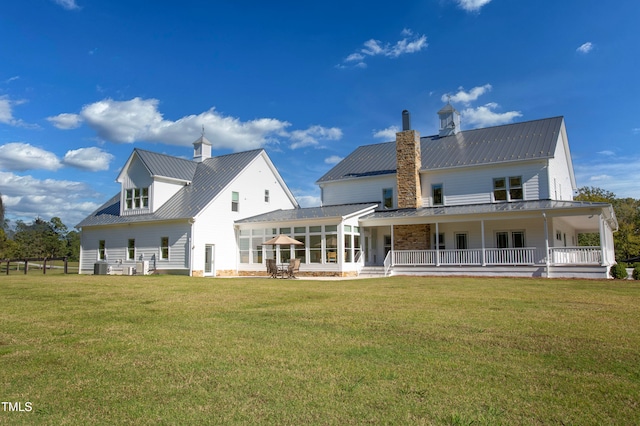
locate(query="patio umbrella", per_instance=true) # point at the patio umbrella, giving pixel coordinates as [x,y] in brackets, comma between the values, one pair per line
[283,240]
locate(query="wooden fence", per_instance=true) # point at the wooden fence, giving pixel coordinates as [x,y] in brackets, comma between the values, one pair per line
[43,261]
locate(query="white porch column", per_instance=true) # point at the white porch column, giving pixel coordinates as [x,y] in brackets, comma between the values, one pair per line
[392,247]
[437,245]
[484,254]
[546,244]
[603,252]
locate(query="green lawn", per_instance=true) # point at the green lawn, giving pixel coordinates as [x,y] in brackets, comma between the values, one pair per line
[459,351]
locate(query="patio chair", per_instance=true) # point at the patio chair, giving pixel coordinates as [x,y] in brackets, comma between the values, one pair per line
[294,266]
[272,268]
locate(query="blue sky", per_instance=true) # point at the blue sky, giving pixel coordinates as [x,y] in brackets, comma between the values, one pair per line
[83,82]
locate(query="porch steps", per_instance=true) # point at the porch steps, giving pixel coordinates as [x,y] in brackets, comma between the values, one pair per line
[372,272]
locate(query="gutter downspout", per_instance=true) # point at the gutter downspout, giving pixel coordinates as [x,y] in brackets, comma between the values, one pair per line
[191,246]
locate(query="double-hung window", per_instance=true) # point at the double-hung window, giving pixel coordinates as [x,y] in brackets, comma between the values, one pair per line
[136,198]
[164,248]
[235,201]
[131,249]
[507,189]
[436,194]
[387,198]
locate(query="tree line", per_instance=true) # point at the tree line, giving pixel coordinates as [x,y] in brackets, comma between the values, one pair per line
[627,210]
[37,239]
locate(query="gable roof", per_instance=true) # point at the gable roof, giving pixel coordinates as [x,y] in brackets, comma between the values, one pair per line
[511,142]
[209,178]
[162,165]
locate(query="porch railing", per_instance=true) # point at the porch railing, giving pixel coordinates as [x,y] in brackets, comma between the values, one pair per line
[576,255]
[494,256]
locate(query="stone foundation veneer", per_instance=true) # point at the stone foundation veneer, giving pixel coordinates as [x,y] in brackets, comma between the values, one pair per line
[411,237]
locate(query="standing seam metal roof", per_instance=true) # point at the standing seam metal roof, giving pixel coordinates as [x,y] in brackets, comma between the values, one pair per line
[512,142]
[209,178]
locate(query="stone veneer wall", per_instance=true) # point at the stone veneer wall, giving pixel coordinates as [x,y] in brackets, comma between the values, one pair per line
[412,237]
[408,164]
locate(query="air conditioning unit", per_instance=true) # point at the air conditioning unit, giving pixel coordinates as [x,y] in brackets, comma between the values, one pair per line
[142,268]
[128,270]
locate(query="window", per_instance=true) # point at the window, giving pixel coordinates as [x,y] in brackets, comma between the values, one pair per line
[235,201]
[436,193]
[499,189]
[101,250]
[164,248]
[387,198]
[508,189]
[438,241]
[131,249]
[515,188]
[517,239]
[461,241]
[136,198]
[266,195]
[331,243]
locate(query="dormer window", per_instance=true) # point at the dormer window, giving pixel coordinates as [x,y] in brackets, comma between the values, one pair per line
[136,198]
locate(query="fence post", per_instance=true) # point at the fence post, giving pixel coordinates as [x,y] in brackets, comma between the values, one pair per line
[8,263]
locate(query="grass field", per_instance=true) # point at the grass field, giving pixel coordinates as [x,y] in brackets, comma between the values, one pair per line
[450,351]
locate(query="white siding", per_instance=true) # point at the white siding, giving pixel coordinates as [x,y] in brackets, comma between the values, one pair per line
[214,225]
[161,191]
[147,244]
[560,187]
[360,190]
[474,185]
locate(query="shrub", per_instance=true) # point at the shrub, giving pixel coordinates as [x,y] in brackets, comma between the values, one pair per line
[636,272]
[618,271]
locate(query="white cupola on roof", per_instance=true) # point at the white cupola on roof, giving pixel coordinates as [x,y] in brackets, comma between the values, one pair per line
[201,149]
[449,121]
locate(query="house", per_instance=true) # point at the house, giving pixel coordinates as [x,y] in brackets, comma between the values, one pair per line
[491,201]
[175,215]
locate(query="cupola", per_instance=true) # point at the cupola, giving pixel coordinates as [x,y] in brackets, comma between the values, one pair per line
[449,121]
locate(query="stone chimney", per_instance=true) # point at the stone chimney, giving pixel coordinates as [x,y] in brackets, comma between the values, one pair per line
[408,164]
[201,149]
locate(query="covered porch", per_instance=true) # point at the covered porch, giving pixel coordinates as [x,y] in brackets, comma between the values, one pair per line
[528,239]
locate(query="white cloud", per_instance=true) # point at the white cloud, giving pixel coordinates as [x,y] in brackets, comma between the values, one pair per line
[14,78]
[388,134]
[411,43]
[23,156]
[636,131]
[92,159]
[26,197]
[585,48]
[607,153]
[472,5]
[334,159]
[66,121]
[485,115]
[67,4]
[313,135]
[139,120]
[467,97]
[6,113]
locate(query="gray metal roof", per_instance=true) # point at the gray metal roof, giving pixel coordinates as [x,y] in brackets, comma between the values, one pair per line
[337,211]
[210,177]
[166,165]
[475,209]
[512,142]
